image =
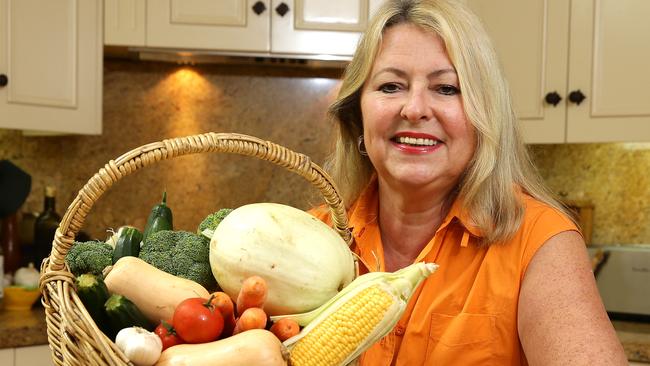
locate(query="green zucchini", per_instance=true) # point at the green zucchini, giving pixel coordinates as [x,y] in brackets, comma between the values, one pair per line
[160,218]
[122,313]
[93,293]
[128,243]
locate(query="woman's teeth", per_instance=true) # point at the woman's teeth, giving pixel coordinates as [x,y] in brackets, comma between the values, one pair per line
[416,141]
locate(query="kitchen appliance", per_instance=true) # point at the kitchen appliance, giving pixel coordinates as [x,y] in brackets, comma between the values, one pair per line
[623,279]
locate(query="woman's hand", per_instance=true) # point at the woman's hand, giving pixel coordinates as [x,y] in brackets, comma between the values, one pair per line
[561,318]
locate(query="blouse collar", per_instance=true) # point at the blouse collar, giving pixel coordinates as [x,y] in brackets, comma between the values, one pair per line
[365,210]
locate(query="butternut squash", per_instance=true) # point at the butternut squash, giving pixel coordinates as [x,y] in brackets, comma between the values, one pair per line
[257,347]
[155,292]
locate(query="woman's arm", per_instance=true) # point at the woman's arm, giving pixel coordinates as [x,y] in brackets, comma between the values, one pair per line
[561,318]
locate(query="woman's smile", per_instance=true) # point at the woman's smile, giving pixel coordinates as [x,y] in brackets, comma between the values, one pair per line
[415,142]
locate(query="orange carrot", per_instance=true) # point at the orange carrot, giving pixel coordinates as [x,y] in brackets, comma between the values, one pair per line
[252,294]
[285,328]
[251,318]
[221,301]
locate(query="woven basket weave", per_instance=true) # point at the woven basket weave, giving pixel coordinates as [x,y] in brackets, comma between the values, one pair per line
[72,334]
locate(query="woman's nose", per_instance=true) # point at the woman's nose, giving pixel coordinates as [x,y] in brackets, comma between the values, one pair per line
[417,106]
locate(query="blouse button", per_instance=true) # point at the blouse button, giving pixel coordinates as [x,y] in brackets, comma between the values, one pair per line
[399,330]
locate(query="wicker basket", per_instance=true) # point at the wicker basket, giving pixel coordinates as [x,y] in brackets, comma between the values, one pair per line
[73,336]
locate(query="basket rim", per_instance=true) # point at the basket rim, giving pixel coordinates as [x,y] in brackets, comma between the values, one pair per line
[67,319]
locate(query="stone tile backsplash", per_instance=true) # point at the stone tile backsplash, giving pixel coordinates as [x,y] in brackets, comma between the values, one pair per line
[148,102]
[614,177]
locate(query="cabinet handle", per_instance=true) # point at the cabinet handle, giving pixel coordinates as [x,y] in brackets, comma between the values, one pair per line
[553,98]
[4,80]
[259,7]
[282,9]
[576,97]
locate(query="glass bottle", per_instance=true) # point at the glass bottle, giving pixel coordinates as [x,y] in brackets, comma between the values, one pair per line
[2,275]
[26,237]
[45,227]
[10,243]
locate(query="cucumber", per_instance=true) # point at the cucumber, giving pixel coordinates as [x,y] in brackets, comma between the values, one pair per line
[93,293]
[128,243]
[122,313]
[159,219]
[157,224]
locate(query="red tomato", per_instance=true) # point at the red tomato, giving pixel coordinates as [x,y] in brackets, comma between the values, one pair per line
[197,321]
[167,335]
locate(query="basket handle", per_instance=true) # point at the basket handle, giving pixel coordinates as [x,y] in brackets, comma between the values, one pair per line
[145,155]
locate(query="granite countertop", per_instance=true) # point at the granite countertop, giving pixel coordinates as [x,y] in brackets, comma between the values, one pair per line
[23,328]
[635,338]
[28,328]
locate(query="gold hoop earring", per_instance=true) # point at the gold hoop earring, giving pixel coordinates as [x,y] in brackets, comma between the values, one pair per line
[361,146]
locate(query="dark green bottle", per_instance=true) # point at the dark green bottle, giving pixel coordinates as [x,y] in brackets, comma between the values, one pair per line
[45,227]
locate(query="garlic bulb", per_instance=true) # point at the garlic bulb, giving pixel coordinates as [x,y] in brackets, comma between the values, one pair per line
[139,345]
[27,276]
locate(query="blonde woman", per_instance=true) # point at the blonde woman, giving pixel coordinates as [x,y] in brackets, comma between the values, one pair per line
[430,158]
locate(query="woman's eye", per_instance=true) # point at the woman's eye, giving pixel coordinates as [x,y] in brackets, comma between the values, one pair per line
[389,88]
[448,90]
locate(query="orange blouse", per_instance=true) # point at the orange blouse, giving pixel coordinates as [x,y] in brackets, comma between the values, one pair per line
[466,312]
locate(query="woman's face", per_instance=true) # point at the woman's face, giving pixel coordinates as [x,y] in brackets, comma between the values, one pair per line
[415,129]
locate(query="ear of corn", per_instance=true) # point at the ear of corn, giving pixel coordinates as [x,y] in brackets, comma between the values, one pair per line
[359,315]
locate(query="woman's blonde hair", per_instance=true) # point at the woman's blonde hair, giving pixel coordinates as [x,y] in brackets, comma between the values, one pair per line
[501,165]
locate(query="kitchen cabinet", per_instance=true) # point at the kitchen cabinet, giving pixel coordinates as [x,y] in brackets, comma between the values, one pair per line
[593,54]
[26,356]
[276,27]
[232,25]
[7,356]
[320,26]
[124,22]
[51,65]
[33,355]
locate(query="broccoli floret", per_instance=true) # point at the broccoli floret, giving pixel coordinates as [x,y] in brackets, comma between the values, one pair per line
[193,246]
[180,253]
[198,270]
[89,257]
[160,260]
[210,223]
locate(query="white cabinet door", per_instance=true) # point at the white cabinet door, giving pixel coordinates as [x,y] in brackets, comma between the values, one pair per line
[33,356]
[276,27]
[218,25]
[326,27]
[598,50]
[124,22]
[51,54]
[531,38]
[7,357]
[610,65]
